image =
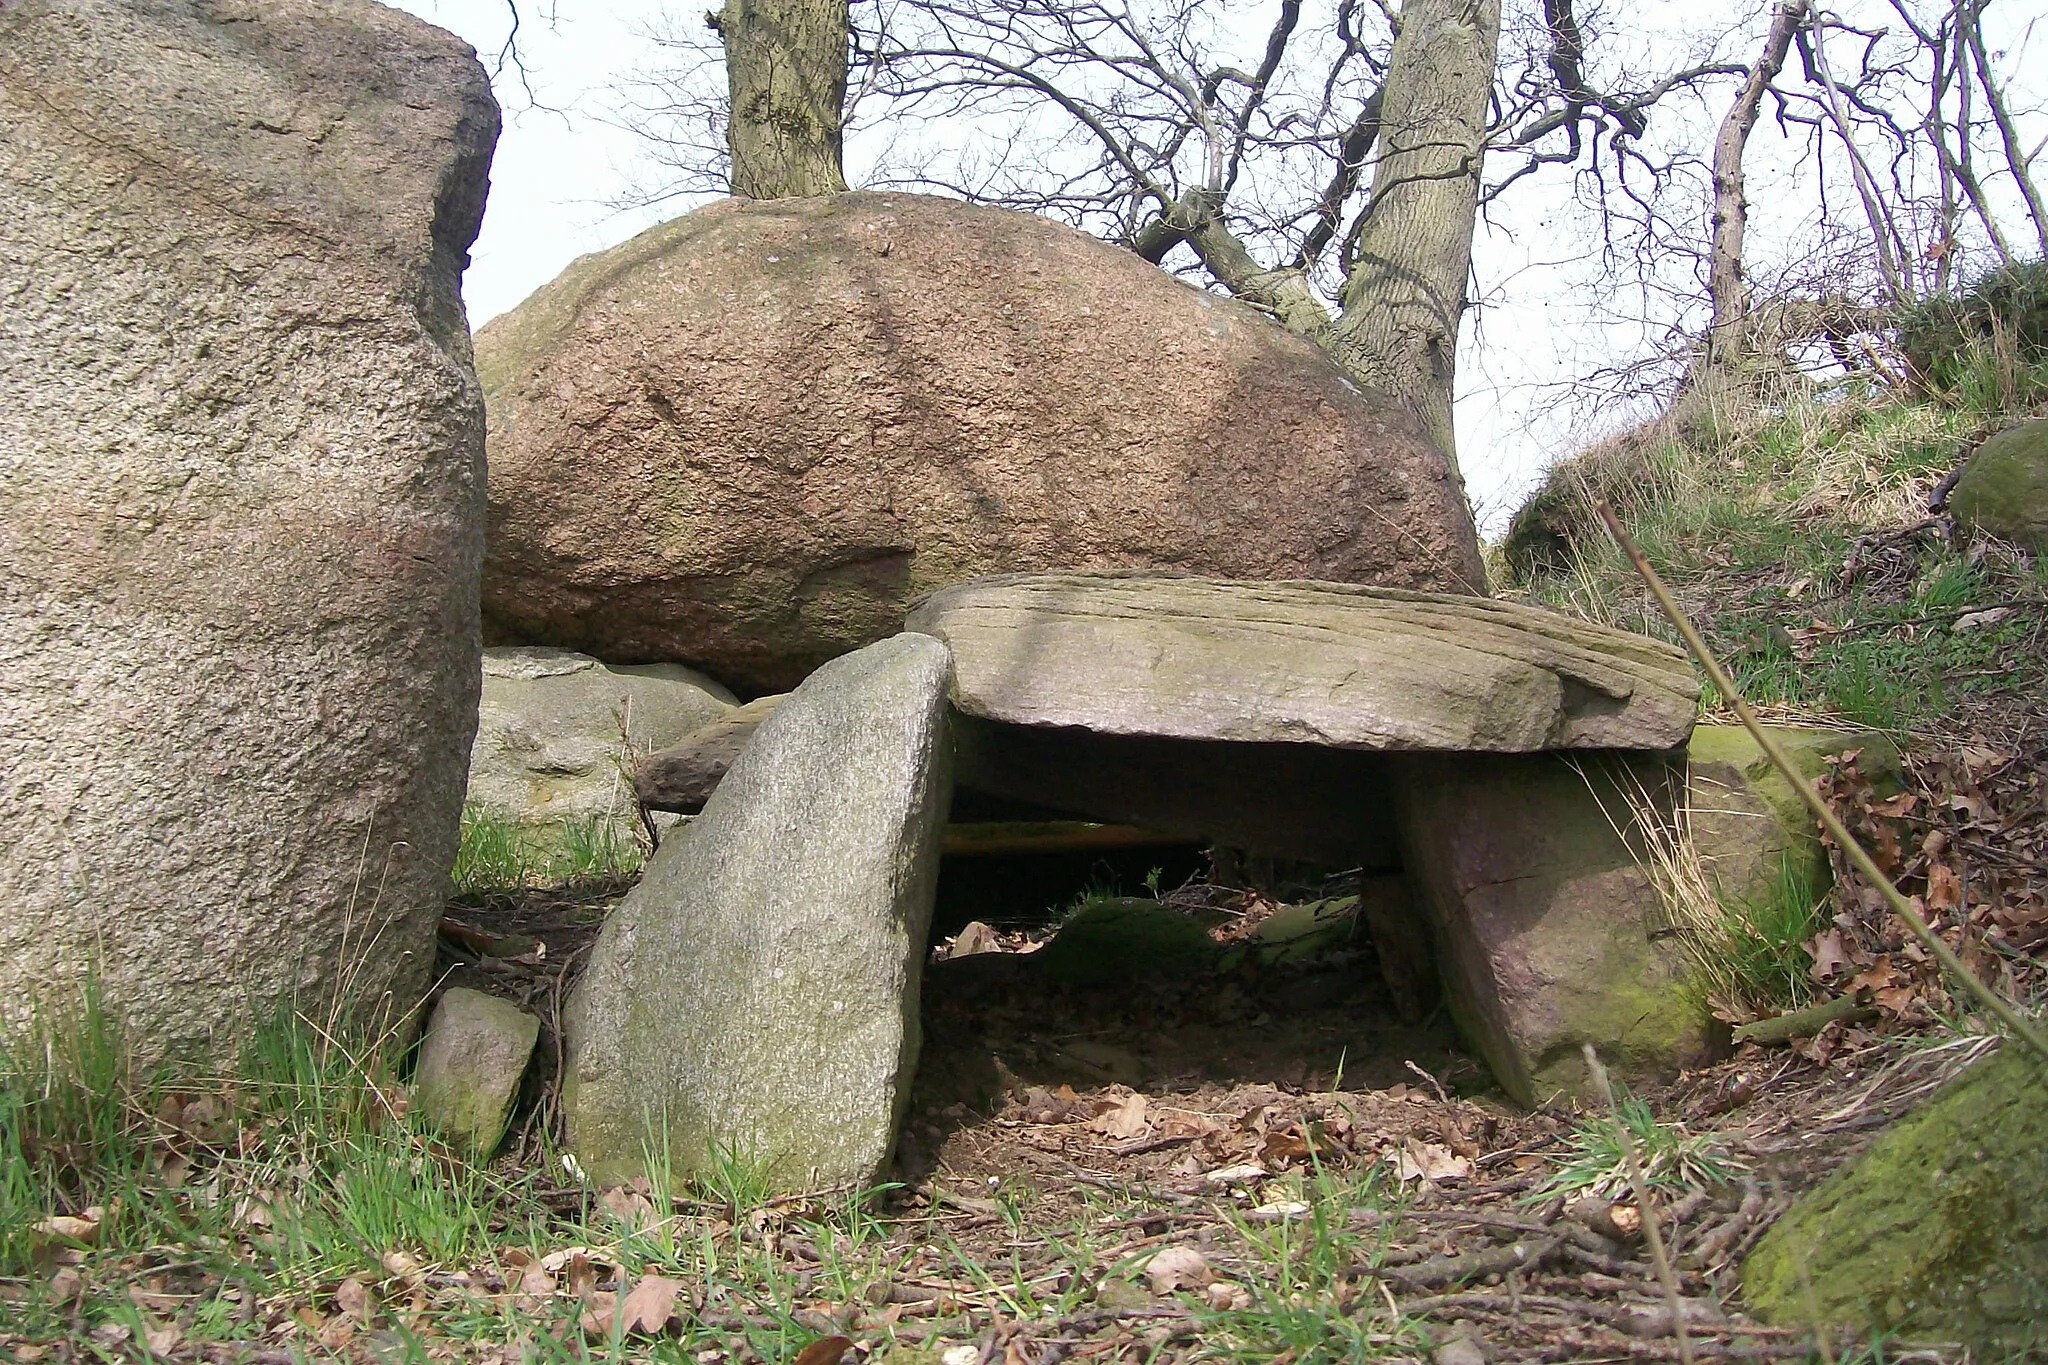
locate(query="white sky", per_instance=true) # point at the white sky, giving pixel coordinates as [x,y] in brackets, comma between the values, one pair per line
[564,161]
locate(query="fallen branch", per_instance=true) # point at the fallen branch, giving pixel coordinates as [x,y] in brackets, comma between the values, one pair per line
[1801,1023]
[1439,1271]
[1652,1234]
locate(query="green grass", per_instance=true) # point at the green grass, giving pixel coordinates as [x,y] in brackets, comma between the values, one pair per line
[241,1207]
[1762,944]
[1772,529]
[1672,1159]
[500,854]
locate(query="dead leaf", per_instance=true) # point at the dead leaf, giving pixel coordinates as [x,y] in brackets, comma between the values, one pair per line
[1284,1146]
[536,1280]
[67,1286]
[78,1231]
[1626,1217]
[1124,1120]
[651,1304]
[1235,1175]
[599,1308]
[1177,1268]
[582,1276]
[252,1211]
[823,1351]
[977,938]
[1431,1161]
[629,1206]
[353,1298]
[1225,1297]
[402,1265]
[1829,954]
[1944,888]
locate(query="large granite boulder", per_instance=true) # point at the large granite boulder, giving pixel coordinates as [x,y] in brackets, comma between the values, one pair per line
[1939,1229]
[757,993]
[746,439]
[1320,663]
[557,732]
[241,503]
[2003,489]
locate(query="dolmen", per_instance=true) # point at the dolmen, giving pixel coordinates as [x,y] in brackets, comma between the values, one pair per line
[756,996]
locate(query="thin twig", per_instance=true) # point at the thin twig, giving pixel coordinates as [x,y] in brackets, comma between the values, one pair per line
[1644,1209]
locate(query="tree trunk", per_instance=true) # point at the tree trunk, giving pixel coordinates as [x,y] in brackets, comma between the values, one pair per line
[1727,346]
[785,64]
[1403,299]
[2016,159]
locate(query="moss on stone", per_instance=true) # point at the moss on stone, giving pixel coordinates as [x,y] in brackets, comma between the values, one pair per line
[1746,818]
[1939,1229]
[2004,487]
[1115,938]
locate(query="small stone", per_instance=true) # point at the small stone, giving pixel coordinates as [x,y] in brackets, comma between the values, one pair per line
[1461,1350]
[475,1054]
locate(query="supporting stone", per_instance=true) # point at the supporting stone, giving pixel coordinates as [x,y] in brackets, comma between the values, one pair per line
[1548,933]
[1751,828]
[556,731]
[755,998]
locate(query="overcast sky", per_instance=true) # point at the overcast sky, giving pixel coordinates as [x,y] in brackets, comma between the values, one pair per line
[565,163]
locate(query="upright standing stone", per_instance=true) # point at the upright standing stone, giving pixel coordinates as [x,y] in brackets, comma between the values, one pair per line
[241,502]
[757,993]
[1549,932]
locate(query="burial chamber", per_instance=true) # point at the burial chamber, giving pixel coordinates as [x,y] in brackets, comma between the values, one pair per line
[1478,754]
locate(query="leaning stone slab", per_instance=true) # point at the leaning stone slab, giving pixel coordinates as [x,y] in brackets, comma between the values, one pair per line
[1939,1229]
[471,1062]
[1319,663]
[241,504]
[757,993]
[1548,933]
[557,731]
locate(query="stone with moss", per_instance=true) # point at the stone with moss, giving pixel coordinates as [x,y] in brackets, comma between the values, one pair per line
[1115,938]
[471,1062]
[1939,1229]
[1548,931]
[2003,490]
[1752,829]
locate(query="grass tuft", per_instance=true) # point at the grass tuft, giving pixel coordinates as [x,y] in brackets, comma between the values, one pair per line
[497,854]
[1672,1158]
